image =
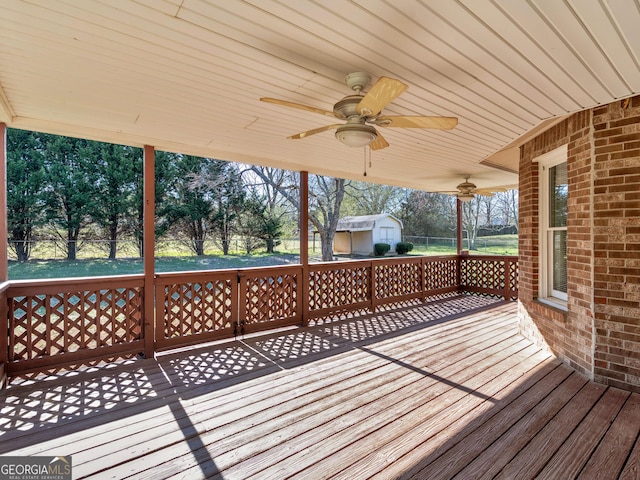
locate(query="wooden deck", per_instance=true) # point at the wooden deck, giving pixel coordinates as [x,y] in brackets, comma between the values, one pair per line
[435,391]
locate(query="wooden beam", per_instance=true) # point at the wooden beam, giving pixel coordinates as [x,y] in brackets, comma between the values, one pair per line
[148,248]
[5,107]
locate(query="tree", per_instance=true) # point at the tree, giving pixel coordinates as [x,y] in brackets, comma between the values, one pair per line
[325,199]
[190,206]
[228,195]
[117,168]
[507,207]
[25,186]
[428,214]
[257,223]
[271,218]
[363,198]
[204,200]
[326,195]
[71,193]
[471,219]
[165,174]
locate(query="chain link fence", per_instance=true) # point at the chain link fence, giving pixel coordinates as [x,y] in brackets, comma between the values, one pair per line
[52,249]
[496,244]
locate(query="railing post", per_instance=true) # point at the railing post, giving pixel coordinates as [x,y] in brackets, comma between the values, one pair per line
[4,337]
[507,279]
[159,327]
[372,287]
[423,278]
[242,301]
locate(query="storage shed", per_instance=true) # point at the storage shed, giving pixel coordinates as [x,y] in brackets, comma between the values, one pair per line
[357,235]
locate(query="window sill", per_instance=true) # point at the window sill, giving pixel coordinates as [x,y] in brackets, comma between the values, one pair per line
[560,306]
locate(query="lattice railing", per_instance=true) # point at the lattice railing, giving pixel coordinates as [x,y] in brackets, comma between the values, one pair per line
[339,287]
[269,297]
[490,275]
[194,307]
[73,321]
[62,322]
[398,280]
[339,290]
[514,272]
[440,274]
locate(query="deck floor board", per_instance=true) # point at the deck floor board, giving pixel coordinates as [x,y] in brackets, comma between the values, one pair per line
[431,391]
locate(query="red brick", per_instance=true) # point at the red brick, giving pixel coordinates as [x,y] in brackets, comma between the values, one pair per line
[603,243]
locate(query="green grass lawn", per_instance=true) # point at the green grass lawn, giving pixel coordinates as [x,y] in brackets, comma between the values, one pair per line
[35,269]
[93,267]
[495,245]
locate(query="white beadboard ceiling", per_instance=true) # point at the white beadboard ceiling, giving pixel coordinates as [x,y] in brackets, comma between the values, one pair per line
[187,75]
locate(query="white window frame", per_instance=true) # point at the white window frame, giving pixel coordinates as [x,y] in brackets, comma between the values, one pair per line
[546,293]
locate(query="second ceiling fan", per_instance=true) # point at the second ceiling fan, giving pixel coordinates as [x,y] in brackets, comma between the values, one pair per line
[362,113]
[466,191]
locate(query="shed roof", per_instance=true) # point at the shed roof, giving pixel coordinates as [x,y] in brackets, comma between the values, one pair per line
[362,223]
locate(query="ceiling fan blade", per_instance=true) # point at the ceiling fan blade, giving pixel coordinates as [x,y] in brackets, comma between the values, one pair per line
[385,91]
[300,106]
[496,189]
[314,131]
[379,143]
[441,123]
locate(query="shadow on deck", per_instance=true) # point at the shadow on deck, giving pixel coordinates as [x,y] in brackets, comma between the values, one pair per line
[429,391]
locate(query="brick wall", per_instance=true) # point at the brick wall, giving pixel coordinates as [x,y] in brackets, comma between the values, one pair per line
[569,335]
[616,233]
[599,333]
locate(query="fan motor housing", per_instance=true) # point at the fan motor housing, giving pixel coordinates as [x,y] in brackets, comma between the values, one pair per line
[466,187]
[347,107]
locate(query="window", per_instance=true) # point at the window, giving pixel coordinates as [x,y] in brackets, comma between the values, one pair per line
[554,192]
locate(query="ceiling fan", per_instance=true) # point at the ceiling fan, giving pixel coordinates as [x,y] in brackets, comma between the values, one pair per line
[467,190]
[363,113]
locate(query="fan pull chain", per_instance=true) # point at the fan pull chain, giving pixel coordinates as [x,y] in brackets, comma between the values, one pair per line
[365,159]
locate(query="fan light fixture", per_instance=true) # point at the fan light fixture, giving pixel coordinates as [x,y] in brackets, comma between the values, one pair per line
[465,197]
[356,135]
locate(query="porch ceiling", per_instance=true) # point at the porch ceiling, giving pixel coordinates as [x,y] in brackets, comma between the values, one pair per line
[186,75]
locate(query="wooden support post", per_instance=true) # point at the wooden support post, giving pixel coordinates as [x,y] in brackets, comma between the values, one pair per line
[4,232]
[459,238]
[459,225]
[148,249]
[304,244]
[304,218]
[4,261]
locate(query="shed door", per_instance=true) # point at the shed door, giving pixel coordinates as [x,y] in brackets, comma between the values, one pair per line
[386,235]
